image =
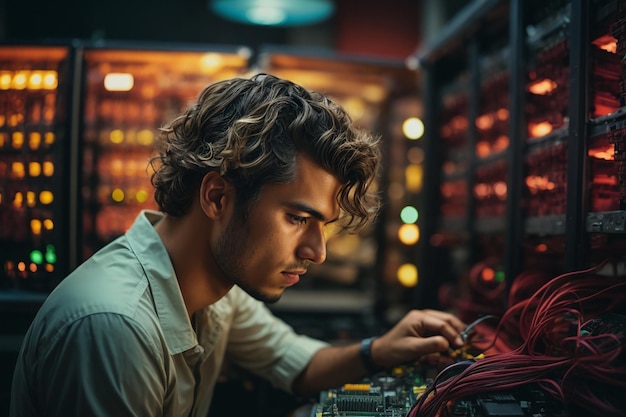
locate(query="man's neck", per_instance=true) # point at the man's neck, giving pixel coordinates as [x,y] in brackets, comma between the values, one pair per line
[186,240]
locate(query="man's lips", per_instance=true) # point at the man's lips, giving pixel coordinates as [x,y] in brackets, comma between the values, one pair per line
[292,277]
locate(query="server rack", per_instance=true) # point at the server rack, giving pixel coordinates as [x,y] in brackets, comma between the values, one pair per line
[130,90]
[563,206]
[78,121]
[36,147]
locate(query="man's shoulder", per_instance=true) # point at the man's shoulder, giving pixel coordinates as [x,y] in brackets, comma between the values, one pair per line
[105,285]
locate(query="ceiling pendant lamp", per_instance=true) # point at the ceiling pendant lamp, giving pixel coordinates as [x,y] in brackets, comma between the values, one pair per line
[274,12]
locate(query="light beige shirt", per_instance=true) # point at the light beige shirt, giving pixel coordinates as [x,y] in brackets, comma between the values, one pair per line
[114,339]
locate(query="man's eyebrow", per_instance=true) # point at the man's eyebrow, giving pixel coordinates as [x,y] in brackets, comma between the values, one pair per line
[310,210]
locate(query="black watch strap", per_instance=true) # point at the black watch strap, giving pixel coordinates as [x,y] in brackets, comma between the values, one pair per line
[365,351]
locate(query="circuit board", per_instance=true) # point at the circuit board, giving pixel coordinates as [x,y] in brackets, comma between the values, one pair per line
[384,395]
[394,394]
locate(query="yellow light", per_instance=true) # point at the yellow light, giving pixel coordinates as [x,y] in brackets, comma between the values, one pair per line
[46,197]
[49,138]
[119,81]
[30,199]
[141,196]
[48,168]
[5,80]
[18,139]
[20,79]
[34,141]
[35,226]
[413,177]
[145,137]
[18,170]
[36,80]
[48,224]
[34,169]
[409,234]
[413,128]
[116,136]
[21,266]
[117,195]
[211,61]
[50,80]
[18,200]
[49,268]
[407,275]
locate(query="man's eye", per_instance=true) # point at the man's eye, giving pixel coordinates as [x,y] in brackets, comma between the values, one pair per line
[298,219]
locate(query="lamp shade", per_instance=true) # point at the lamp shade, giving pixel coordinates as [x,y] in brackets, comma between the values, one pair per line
[274,12]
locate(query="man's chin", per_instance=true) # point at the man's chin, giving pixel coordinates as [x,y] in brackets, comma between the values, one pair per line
[261,296]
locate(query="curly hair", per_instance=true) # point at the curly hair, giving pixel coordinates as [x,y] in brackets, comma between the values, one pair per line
[250,131]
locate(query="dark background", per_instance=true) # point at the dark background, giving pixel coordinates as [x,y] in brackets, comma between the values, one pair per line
[389,29]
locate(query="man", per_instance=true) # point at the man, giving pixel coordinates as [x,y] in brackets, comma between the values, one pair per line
[247,178]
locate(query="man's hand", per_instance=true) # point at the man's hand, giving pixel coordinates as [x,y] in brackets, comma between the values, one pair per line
[419,334]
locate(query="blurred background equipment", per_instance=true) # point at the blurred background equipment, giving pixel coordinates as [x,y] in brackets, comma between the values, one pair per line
[502,127]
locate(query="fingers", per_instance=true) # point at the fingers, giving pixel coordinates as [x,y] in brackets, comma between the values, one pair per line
[432,323]
[449,318]
[429,346]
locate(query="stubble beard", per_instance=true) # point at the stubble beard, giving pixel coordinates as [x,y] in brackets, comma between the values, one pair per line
[230,256]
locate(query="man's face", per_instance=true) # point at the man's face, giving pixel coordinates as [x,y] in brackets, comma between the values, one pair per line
[283,234]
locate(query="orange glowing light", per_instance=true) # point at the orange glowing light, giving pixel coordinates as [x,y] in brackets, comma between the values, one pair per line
[488,274]
[46,197]
[606,43]
[485,121]
[542,247]
[542,87]
[502,114]
[48,224]
[35,226]
[539,129]
[483,149]
[34,141]
[605,153]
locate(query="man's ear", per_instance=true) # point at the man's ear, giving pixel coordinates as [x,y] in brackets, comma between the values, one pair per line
[215,195]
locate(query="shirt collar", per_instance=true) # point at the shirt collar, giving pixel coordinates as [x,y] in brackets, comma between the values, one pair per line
[168,300]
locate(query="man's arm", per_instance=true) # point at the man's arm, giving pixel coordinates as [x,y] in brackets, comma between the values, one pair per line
[101,365]
[419,333]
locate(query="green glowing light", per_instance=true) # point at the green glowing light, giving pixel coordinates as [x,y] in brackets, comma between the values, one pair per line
[51,256]
[36,257]
[409,215]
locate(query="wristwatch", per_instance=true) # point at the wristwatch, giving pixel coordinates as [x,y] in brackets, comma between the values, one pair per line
[365,351]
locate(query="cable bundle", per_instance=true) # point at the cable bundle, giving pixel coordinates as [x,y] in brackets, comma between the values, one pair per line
[568,346]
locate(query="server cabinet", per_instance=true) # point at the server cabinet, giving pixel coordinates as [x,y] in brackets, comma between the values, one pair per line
[36,146]
[524,116]
[129,92]
[76,132]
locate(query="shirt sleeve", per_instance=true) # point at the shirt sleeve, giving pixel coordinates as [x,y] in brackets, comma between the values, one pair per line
[101,365]
[267,346]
